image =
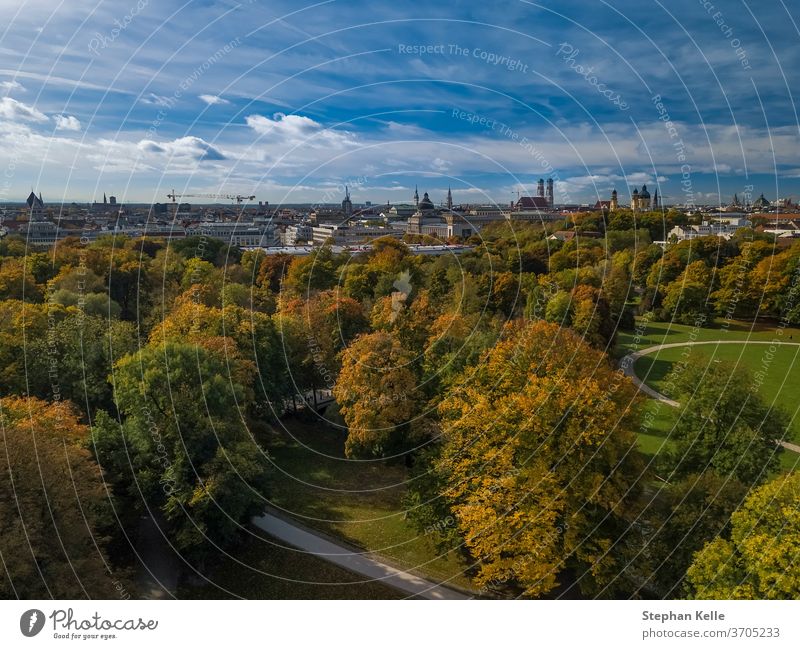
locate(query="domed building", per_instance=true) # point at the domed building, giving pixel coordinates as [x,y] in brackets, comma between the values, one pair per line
[761,203]
[442,223]
[425,215]
[640,200]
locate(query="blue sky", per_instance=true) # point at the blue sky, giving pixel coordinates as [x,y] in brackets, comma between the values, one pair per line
[291,100]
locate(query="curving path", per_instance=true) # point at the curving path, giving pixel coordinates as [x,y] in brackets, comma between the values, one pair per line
[354,561]
[627,366]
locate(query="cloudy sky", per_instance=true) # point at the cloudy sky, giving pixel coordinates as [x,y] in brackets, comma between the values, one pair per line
[291,100]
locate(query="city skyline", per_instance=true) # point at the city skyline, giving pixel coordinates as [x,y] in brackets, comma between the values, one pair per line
[608,99]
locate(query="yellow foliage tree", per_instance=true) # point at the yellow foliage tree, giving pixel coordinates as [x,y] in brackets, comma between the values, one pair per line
[538,460]
[762,558]
[52,505]
[378,396]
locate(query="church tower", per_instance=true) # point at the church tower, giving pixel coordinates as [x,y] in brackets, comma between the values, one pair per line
[449,199]
[550,198]
[347,204]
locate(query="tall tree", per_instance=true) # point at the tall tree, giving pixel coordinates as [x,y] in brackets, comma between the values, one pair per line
[679,520]
[538,460]
[378,395]
[53,505]
[182,446]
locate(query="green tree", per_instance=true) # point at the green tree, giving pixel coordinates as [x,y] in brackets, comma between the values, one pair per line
[560,309]
[679,520]
[762,558]
[723,424]
[688,298]
[76,356]
[181,444]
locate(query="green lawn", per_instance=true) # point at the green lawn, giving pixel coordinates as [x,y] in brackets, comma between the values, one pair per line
[779,385]
[649,333]
[360,502]
[263,568]
[664,417]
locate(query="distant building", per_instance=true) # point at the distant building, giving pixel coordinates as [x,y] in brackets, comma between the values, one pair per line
[35,207]
[425,214]
[347,204]
[706,229]
[236,233]
[299,232]
[39,231]
[761,203]
[640,200]
[532,203]
[401,211]
[345,234]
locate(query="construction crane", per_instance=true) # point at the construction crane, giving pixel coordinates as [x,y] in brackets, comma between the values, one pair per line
[238,198]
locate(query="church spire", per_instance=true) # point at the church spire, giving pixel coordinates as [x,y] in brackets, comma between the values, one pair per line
[416,196]
[449,199]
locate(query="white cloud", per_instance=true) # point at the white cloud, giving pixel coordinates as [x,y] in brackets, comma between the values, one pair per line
[174,156]
[158,100]
[67,123]
[8,86]
[194,148]
[298,130]
[214,100]
[15,110]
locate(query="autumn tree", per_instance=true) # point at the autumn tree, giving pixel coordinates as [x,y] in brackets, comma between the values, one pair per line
[316,272]
[742,291]
[17,282]
[591,318]
[377,392]
[53,505]
[762,557]
[538,461]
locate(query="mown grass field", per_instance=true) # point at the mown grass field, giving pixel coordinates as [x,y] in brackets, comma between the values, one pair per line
[779,385]
[360,502]
[651,333]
